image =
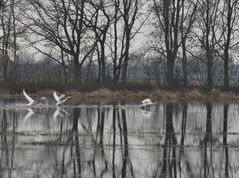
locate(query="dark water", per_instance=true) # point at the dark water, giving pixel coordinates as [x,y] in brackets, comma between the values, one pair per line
[166,140]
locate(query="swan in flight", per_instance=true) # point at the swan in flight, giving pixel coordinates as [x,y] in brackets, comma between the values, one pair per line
[60,99]
[146,104]
[31,101]
[146,101]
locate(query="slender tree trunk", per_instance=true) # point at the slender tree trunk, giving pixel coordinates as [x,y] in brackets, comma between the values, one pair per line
[99,72]
[185,66]
[103,62]
[115,67]
[209,74]
[126,58]
[226,78]
[99,65]
[209,57]
[5,67]
[124,70]
[15,60]
[63,66]
[77,72]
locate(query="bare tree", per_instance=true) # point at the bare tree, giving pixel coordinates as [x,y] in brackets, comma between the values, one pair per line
[61,24]
[100,23]
[188,17]
[171,19]
[6,28]
[228,17]
[114,48]
[208,25]
[126,15]
[129,13]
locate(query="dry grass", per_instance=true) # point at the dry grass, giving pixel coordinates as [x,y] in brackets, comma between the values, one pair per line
[194,94]
[217,94]
[163,94]
[155,95]
[103,92]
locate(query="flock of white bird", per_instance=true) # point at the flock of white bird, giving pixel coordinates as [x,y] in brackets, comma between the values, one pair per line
[62,99]
[59,99]
[60,112]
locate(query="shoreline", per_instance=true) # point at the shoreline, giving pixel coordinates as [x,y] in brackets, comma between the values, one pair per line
[190,95]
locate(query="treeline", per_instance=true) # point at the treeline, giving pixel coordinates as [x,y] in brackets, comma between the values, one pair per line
[94,42]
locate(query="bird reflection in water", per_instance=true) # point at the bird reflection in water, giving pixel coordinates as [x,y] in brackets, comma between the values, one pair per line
[60,113]
[28,115]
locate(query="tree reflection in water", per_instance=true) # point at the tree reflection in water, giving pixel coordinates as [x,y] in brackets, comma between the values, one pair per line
[207,159]
[98,163]
[113,142]
[225,115]
[7,143]
[169,148]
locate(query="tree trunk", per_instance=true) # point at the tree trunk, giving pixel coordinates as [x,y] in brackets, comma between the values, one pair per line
[169,73]
[116,74]
[99,65]
[185,66]
[226,79]
[103,62]
[185,72]
[99,72]
[126,59]
[5,66]
[124,70]
[209,74]
[77,72]
[63,66]
[15,59]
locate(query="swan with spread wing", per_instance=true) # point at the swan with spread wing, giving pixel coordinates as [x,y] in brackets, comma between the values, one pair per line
[32,102]
[60,99]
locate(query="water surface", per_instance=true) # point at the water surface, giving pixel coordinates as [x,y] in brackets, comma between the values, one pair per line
[121,140]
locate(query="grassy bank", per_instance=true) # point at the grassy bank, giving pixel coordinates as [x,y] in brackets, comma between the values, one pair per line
[154,94]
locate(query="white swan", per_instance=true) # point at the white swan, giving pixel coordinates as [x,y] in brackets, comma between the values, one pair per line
[146,104]
[146,101]
[60,99]
[32,102]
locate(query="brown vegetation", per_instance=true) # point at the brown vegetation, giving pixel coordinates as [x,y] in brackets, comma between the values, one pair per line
[127,95]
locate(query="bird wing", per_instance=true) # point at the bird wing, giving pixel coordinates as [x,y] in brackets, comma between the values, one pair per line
[149,101]
[27,96]
[55,96]
[62,97]
[66,98]
[145,101]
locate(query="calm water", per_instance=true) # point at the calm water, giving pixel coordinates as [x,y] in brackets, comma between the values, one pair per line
[166,140]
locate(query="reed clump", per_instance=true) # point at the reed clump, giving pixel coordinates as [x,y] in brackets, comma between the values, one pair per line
[164,94]
[102,92]
[194,94]
[217,94]
[135,95]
